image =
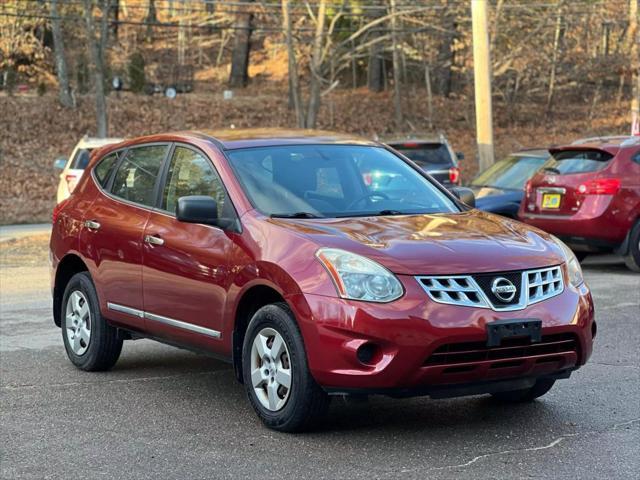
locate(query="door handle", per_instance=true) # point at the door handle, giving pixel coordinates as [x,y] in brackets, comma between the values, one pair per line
[153,240]
[92,224]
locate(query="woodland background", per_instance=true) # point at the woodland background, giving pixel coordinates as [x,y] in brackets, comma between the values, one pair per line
[561,70]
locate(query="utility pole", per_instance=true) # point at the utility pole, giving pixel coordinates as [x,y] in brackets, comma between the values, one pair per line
[482,81]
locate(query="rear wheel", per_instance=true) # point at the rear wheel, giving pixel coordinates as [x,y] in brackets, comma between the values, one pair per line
[276,375]
[527,394]
[91,343]
[632,257]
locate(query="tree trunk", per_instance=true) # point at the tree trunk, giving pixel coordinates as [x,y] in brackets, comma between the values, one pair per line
[151,19]
[396,66]
[294,81]
[241,48]
[97,48]
[375,73]
[634,37]
[554,59]
[446,55]
[316,68]
[65,95]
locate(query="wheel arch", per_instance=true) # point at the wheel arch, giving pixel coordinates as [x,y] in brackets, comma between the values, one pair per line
[254,298]
[67,268]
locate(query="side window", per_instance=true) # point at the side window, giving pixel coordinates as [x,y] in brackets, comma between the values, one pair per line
[136,176]
[104,168]
[81,159]
[191,173]
[636,157]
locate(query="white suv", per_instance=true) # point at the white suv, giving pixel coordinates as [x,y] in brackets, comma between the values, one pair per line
[73,166]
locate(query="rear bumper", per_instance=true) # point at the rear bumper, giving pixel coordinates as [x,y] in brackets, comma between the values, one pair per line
[406,333]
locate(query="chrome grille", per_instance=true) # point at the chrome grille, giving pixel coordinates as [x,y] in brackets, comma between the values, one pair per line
[465,290]
[544,283]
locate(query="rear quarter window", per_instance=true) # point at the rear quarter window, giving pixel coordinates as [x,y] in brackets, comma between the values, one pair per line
[81,159]
[577,161]
[104,168]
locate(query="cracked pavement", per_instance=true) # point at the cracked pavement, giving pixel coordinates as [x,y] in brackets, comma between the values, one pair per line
[168,413]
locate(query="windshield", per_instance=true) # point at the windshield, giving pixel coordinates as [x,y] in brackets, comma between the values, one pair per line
[510,173]
[309,181]
[577,161]
[427,155]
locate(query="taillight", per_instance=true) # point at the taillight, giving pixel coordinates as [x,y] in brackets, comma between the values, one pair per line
[57,209]
[72,181]
[454,175]
[600,186]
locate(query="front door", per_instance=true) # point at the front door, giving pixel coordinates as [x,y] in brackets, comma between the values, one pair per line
[185,266]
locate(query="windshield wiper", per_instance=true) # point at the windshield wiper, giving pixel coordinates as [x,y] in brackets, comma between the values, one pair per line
[390,212]
[295,215]
[551,169]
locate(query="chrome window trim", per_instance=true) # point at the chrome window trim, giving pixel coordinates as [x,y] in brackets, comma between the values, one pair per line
[165,320]
[523,301]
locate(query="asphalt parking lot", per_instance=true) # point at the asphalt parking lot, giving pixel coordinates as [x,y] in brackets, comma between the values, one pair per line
[168,413]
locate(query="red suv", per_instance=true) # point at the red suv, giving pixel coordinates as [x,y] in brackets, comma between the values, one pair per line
[270,249]
[588,194]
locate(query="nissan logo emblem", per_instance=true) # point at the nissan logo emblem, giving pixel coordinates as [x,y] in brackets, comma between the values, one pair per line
[504,289]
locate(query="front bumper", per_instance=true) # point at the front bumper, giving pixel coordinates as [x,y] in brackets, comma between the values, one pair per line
[406,333]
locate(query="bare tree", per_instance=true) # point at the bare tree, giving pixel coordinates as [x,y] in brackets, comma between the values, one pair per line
[152,17]
[65,95]
[396,65]
[294,80]
[375,69]
[316,66]
[554,57]
[97,46]
[239,75]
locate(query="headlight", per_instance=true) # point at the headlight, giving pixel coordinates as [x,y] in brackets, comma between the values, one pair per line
[358,278]
[573,265]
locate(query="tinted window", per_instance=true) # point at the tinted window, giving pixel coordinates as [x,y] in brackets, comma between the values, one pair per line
[577,161]
[431,155]
[334,181]
[136,175]
[81,158]
[191,173]
[636,157]
[104,168]
[510,173]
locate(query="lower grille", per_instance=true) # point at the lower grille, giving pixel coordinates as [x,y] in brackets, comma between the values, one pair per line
[513,348]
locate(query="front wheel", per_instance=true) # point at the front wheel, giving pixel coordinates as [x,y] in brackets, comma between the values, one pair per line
[632,258]
[276,375]
[541,387]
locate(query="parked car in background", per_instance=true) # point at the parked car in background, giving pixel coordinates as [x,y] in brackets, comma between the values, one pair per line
[269,249]
[434,155]
[588,194]
[500,188]
[73,166]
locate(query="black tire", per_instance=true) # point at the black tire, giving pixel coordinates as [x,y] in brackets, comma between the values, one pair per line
[580,255]
[307,403]
[525,395]
[632,257]
[104,346]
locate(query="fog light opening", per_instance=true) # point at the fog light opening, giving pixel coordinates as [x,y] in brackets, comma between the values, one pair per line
[368,353]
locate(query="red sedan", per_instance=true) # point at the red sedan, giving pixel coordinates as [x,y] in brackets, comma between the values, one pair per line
[270,249]
[588,194]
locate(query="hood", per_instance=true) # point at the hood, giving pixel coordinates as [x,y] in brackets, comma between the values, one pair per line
[467,242]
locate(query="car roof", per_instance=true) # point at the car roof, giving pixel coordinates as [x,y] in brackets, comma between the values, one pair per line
[265,137]
[418,139]
[610,144]
[91,142]
[532,152]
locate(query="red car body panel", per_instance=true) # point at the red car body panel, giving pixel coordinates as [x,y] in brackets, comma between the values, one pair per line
[201,274]
[589,220]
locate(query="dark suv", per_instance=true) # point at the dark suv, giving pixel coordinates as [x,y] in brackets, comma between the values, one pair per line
[434,155]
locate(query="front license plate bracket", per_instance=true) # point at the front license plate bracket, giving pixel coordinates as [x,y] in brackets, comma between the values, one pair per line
[501,329]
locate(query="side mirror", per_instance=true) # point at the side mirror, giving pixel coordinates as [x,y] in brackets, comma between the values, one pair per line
[460,155]
[465,195]
[197,209]
[59,163]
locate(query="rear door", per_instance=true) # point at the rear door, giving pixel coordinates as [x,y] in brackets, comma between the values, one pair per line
[113,230]
[559,187]
[186,265]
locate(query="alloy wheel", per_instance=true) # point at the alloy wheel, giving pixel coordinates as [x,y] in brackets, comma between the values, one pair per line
[78,322]
[271,369]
